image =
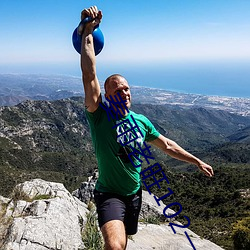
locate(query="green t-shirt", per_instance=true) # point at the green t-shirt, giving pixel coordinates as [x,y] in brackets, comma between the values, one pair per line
[116,172]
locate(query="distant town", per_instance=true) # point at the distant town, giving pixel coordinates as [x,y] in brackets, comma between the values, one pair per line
[161,97]
[16,88]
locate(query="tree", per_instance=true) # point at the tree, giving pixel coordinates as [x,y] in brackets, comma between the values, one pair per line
[241,234]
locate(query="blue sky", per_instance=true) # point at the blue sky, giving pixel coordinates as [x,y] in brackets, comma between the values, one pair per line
[35,35]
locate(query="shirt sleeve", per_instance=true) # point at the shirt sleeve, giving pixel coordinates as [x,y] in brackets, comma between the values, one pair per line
[152,133]
[94,117]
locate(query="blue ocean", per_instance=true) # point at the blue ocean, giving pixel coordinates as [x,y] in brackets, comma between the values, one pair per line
[219,79]
[230,79]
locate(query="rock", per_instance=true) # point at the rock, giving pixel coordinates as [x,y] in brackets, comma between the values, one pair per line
[85,192]
[245,193]
[44,215]
[151,209]
[161,237]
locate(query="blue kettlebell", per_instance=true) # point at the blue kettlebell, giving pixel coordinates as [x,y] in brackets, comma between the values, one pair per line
[98,37]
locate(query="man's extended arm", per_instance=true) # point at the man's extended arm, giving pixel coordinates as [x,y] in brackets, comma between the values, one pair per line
[88,63]
[174,150]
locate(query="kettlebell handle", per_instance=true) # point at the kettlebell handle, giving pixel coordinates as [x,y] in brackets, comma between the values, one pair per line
[85,21]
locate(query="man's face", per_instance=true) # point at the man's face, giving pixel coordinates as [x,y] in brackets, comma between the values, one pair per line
[119,85]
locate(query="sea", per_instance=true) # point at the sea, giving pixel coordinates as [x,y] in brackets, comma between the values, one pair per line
[228,79]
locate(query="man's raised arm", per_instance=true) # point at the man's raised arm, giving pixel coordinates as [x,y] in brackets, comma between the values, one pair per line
[88,63]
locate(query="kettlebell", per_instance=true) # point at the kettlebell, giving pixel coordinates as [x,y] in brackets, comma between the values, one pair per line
[98,37]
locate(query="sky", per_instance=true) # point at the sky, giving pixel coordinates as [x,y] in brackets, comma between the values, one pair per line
[143,39]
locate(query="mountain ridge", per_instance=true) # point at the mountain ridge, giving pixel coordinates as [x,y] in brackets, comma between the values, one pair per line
[54,135]
[51,140]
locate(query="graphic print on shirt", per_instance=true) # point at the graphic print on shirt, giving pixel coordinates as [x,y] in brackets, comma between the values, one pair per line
[128,135]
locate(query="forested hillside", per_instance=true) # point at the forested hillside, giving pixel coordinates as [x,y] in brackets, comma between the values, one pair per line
[51,140]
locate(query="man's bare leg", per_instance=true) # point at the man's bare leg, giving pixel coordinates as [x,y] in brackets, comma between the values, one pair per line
[114,235]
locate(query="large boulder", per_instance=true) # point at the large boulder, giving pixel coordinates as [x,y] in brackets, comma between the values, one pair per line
[42,215]
[161,237]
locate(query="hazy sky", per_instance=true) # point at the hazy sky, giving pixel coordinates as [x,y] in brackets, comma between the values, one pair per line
[36,35]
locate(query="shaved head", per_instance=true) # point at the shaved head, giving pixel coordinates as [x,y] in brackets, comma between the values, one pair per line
[117,84]
[112,78]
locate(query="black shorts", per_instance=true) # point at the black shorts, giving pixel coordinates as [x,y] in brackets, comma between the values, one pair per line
[117,207]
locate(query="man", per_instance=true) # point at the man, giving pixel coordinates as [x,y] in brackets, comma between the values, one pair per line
[118,190]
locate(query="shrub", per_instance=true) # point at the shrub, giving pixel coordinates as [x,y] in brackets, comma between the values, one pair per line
[91,235]
[241,234]
[152,219]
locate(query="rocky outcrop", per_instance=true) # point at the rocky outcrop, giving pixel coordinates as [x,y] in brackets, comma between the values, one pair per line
[43,215]
[85,192]
[161,237]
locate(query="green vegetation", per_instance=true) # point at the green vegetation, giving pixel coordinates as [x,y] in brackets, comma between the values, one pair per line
[5,222]
[51,141]
[45,140]
[212,204]
[152,219]
[241,234]
[91,235]
[20,195]
[11,176]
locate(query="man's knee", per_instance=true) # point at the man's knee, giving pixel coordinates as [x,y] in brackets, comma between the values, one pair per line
[114,235]
[115,245]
